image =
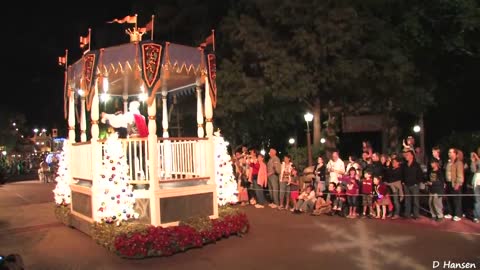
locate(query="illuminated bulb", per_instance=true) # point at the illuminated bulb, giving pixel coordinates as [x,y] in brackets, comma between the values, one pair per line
[142,97]
[104,97]
[105,84]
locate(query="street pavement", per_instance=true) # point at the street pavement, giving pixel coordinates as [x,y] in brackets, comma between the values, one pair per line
[277,240]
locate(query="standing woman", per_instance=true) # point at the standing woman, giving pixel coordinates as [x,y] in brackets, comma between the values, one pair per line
[320,172]
[454,178]
[475,168]
[260,182]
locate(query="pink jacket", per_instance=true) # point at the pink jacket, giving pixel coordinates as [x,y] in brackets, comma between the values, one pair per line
[262,175]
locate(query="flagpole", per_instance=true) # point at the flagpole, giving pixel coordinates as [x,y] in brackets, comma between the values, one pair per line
[136,18]
[213,35]
[90,38]
[153,23]
[65,84]
[66,59]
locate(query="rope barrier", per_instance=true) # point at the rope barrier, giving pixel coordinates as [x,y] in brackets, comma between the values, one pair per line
[396,194]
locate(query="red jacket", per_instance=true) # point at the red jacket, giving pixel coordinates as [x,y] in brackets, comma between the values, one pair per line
[352,189]
[367,186]
[381,189]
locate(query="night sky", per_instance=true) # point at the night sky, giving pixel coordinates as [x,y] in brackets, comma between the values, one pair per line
[39,34]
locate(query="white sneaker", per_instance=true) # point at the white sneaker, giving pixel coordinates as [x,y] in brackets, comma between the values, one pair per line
[448,216]
[456,219]
[259,206]
[272,205]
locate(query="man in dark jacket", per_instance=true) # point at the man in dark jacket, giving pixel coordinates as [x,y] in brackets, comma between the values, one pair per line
[412,177]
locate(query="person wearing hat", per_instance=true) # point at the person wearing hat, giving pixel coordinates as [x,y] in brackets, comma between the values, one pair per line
[412,177]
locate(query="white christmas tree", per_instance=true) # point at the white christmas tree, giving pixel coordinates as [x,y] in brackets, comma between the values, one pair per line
[115,193]
[226,185]
[62,192]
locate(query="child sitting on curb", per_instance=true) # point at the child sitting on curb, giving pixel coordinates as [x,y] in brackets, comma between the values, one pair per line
[306,200]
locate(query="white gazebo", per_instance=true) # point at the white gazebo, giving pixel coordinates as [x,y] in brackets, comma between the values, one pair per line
[174,177]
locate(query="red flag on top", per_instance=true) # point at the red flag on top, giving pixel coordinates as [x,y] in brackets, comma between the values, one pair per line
[209,40]
[62,60]
[84,41]
[127,19]
[146,28]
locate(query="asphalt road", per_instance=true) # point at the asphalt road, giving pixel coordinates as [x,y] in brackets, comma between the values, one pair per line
[277,240]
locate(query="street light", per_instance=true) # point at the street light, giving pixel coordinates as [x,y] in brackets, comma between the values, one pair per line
[417,128]
[262,152]
[291,141]
[35,130]
[322,140]
[308,118]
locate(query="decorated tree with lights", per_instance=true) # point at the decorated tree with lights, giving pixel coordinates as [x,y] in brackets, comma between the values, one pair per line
[62,192]
[226,184]
[116,201]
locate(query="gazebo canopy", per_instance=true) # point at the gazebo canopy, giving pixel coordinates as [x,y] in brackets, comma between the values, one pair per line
[127,67]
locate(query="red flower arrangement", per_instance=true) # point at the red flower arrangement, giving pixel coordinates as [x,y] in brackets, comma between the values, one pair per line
[159,241]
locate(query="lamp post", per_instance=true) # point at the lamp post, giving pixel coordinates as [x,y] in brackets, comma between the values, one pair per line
[308,118]
[420,130]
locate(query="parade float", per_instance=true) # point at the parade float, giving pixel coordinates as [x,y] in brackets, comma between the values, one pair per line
[151,195]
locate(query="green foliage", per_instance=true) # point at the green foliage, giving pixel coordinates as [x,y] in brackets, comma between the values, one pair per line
[204,223]
[105,234]
[281,55]
[300,158]
[228,210]
[466,141]
[198,223]
[62,213]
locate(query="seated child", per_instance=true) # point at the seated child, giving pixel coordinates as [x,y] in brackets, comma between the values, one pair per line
[306,200]
[323,205]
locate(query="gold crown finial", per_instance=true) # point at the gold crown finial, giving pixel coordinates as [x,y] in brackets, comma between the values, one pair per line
[135,35]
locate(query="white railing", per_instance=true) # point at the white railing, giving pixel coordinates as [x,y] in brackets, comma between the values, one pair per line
[181,158]
[81,160]
[136,153]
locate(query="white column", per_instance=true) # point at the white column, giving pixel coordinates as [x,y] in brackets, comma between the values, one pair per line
[200,131]
[71,116]
[208,110]
[210,151]
[83,121]
[125,103]
[167,144]
[96,151]
[94,114]
[164,113]
[152,164]
[125,93]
